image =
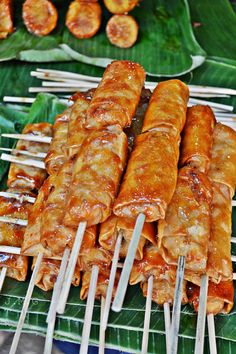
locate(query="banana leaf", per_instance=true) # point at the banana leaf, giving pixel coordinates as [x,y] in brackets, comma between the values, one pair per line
[166,44]
[125,328]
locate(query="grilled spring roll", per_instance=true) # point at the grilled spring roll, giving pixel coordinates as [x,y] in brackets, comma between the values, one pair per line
[150,178]
[6,21]
[220,298]
[96,175]
[13,235]
[167,108]
[197,138]
[27,177]
[114,225]
[164,276]
[48,272]
[56,155]
[186,228]
[102,283]
[223,162]
[117,96]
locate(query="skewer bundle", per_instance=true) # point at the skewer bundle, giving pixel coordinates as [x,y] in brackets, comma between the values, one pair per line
[80,168]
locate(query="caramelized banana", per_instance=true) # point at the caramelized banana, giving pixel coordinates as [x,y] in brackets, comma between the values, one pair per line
[120,6]
[6,23]
[122,31]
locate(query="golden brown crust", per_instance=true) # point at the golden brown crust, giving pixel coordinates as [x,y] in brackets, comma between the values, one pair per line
[83,18]
[220,297]
[114,225]
[17,266]
[122,31]
[167,108]
[117,96]
[96,175]
[223,162]
[27,177]
[150,178]
[219,265]
[186,228]
[197,138]
[40,16]
[120,6]
[6,20]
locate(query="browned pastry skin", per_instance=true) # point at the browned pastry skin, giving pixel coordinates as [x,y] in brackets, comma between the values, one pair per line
[120,6]
[27,177]
[96,175]
[167,108]
[6,21]
[150,178]
[114,225]
[223,162]
[117,96]
[83,18]
[220,298]
[186,228]
[17,266]
[197,138]
[40,16]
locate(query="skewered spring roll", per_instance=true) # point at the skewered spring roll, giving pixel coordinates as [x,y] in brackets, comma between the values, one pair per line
[6,22]
[223,162]
[17,266]
[219,265]
[167,108]
[102,284]
[48,272]
[197,138]
[114,225]
[220,298]
[186,228]
[27,177]
[40,16]
[96,175]
[150,178]
[56,155]
[117,96]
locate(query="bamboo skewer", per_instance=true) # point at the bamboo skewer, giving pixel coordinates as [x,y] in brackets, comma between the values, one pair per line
[26,162]
[41,155]
[211,333]
[124,278]
[166,307]
[25,305]
[2,277]
[89,311]
[20,197]
[15,221]
[29,137]
[147,316]
[101,348]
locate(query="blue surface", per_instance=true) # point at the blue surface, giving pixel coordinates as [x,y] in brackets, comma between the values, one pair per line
[72,348]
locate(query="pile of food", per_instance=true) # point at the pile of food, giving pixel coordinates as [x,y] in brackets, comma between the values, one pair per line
[179,174]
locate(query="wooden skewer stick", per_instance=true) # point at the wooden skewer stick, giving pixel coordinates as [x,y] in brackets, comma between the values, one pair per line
[101,348]
[51,77]
[234,276]
[71,267]
[201,318]
[15,221]
[2,277]
[233,203]
[110,287]
[29,137]
[69,75]
[166,307]
[89,311]
[25,305]
[78,84]
[233,258]
[26,162]
[20,197]
[53,89]
[220,106]
[211,333]
[174,328]
[40,155]
[129,260]
[18,99]
[51,317]
[147,316]
[10,249]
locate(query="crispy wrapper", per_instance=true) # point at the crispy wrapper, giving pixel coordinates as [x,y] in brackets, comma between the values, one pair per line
[150,178]
[102,284]
[186,228]
[219,265]
[223,162]
[114,225]
[96,175]
[57,153]
[27,177]
[220,298]
[48,272]
[6,20]
[17,266]
[117,96]
[197,138]
[167,108]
